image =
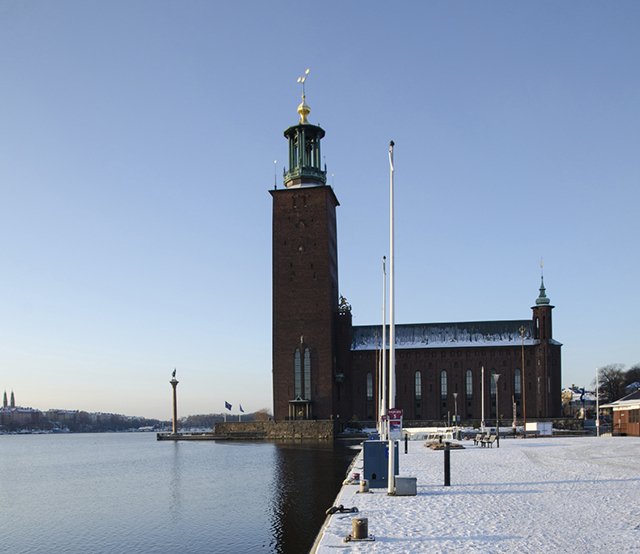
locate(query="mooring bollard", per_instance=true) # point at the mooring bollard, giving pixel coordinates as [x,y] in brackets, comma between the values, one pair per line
[447,465]
[360,528]
[364,485]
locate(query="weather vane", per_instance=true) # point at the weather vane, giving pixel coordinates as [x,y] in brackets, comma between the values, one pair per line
[303,109]
[302,80]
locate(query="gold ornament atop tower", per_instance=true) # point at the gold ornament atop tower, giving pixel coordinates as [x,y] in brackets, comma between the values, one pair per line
[303,109]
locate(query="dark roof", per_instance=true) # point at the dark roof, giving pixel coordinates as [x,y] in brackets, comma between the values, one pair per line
[447,335]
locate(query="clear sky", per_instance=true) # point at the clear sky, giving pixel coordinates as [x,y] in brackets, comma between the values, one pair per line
[137,148]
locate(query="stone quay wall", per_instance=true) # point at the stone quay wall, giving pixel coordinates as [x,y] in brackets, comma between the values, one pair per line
[318,429]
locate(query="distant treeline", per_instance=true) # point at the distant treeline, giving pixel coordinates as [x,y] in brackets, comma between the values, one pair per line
[208,421]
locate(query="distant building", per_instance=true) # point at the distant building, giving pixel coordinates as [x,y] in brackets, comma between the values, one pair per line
[326,368]
[10,414]
[578,403]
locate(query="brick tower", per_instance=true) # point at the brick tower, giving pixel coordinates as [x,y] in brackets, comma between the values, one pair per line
[305,281]
[544,380]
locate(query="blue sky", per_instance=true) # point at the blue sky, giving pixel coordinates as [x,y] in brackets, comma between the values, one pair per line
[137,148]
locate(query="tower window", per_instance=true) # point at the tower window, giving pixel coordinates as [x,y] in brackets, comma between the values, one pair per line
[307,374]
[469,384]
[443,384]
[297,377]
[369,387]
[418,385]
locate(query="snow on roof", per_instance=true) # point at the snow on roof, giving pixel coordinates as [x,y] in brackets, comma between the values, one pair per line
[447,335]
[576,395]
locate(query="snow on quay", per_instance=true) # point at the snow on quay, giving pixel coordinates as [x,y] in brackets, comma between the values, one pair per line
[560,495]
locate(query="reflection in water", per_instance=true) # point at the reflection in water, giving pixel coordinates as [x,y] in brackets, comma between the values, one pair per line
[175,486]
[308,476]
[126,492]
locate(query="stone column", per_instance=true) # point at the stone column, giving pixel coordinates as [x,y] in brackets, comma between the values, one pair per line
[174,384]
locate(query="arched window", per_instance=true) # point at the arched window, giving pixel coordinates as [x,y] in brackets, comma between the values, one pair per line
[493,383]
[443,384]
[297,377]
[307,374]
[418,385]
[469,384]
[369,387]
[518,382]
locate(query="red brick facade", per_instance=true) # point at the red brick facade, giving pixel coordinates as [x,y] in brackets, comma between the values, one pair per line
[323,368]
[305,298]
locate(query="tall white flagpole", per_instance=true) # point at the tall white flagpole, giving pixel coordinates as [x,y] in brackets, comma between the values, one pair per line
[392,315]
[391,480]
[383,381]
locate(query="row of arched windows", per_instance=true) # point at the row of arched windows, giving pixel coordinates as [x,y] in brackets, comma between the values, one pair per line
[444,387]
[468,383]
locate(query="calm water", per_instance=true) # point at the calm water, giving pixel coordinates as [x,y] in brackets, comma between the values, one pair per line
[128,493]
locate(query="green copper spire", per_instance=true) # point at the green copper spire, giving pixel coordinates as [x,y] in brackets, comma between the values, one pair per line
[542,300]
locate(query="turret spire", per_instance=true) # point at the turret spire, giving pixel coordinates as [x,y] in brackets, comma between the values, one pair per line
[304,149]
[542,299]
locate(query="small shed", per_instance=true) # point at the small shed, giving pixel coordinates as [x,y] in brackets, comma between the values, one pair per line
[626,415]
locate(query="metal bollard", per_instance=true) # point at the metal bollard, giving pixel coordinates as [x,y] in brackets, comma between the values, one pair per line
[406,444]
[360,528]
[364,485]
[447,465]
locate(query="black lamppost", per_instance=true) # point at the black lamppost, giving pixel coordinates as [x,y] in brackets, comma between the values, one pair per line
[496,376]
[455,417]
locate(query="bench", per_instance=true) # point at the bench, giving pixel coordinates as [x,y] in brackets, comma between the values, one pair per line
[488,441]
[478,439]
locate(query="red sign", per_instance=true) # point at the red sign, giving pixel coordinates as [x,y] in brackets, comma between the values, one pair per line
[395,424]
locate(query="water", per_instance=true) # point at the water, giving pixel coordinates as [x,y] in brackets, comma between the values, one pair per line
[128,493]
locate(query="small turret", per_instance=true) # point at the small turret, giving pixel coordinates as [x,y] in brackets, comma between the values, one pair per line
[304,149]
[542,300]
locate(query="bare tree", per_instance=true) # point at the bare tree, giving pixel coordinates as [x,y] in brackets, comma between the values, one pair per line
[612,381]
[262,415]
[632,376]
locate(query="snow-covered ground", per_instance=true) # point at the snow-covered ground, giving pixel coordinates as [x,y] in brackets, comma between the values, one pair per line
[561,495]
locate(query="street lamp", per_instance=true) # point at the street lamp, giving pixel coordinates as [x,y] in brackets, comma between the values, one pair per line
[455,417]
[524,388]
[496,376]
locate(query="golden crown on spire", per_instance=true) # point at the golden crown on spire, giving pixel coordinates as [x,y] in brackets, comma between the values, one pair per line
[303,109]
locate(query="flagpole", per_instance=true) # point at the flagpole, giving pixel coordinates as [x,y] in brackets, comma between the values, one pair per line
[391,481]
[383,413]
[392,318]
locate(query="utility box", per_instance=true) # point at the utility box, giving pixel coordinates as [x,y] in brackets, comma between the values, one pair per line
[541,428]
[406,486]
[376,463]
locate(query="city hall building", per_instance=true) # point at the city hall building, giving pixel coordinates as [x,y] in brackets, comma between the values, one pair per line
[326,368]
